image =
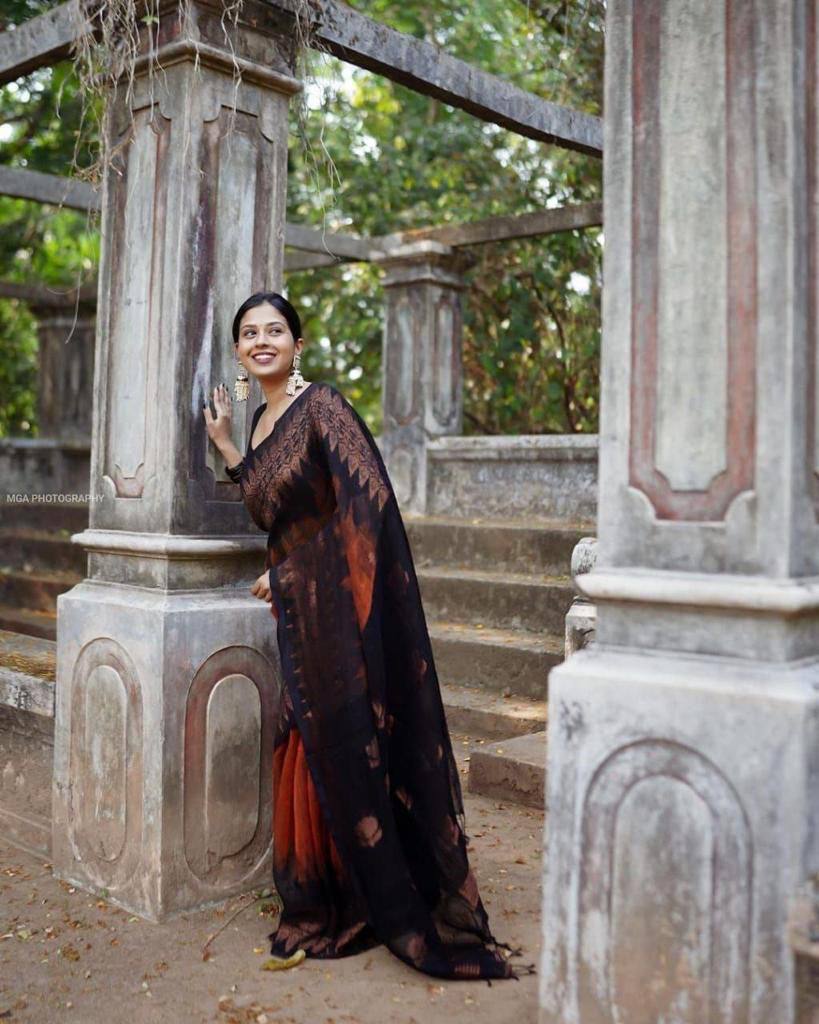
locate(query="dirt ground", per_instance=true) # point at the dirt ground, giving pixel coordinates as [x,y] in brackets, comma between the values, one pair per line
[67,956]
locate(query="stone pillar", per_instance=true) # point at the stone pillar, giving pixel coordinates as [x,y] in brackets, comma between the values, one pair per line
[65,336]
[167,670]
[683,771]
[422,374]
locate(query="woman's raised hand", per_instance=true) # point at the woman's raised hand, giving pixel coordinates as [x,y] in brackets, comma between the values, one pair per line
[219,426]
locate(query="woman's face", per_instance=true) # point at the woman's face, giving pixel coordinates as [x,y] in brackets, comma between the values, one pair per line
[266,345]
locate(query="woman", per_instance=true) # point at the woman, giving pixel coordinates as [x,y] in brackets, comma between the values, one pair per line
[369,843]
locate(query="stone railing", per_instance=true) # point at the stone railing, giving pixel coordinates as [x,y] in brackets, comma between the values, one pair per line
[581,618]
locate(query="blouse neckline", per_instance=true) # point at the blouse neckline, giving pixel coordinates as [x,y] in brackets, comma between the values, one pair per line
[254,451]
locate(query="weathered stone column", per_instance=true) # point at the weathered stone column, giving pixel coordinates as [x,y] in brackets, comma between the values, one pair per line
[683,772]
[65,398]
[422,373]
[167,675]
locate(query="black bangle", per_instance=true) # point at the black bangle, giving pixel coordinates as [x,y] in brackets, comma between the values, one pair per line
[235,472]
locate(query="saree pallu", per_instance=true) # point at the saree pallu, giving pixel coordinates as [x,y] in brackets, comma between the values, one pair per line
[369,829]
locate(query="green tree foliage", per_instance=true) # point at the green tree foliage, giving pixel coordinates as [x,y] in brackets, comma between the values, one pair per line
[369,157]
[383,158]
[40,129]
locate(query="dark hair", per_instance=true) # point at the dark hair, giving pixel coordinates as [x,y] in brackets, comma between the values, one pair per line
[279,301]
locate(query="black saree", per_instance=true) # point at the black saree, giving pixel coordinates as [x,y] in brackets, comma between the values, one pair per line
[369,840]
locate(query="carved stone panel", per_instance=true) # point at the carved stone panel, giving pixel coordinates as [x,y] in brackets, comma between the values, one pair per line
[664,897]
[232,751]
[105,759]
[140,214]
[446,361]
[229,720]
[694,276]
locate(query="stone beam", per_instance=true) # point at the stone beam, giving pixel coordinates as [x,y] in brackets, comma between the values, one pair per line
[46,295]
[573,217]
[326,248]
[366,43]
[38,42]
[423,67]
[314,241]
[502,228]
[47,188]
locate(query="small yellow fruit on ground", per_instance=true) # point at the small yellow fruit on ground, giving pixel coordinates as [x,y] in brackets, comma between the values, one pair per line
[277,963]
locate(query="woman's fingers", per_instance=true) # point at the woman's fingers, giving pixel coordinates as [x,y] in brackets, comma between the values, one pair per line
[221,400]
[261,589]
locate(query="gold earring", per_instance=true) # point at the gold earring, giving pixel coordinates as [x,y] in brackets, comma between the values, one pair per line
[295,380]
[241,388]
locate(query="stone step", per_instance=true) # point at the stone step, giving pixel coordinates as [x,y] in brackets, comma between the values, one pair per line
[29,621]
[37,590]
[27,673]
[513,769]
[478,712]
[41,550]
[38,515]
[32,656]
[542,546]
[513,660]
[500,599]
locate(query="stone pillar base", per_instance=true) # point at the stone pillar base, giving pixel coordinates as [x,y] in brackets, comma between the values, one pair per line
[164,726]
[682,819]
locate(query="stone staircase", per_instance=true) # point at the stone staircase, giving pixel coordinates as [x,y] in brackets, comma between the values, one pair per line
[27,673]
[495,594]
[37,563]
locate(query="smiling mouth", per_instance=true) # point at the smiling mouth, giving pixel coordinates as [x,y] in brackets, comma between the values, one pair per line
[264,357]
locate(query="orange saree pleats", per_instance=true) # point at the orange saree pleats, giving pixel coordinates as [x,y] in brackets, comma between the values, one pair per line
[300,833]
